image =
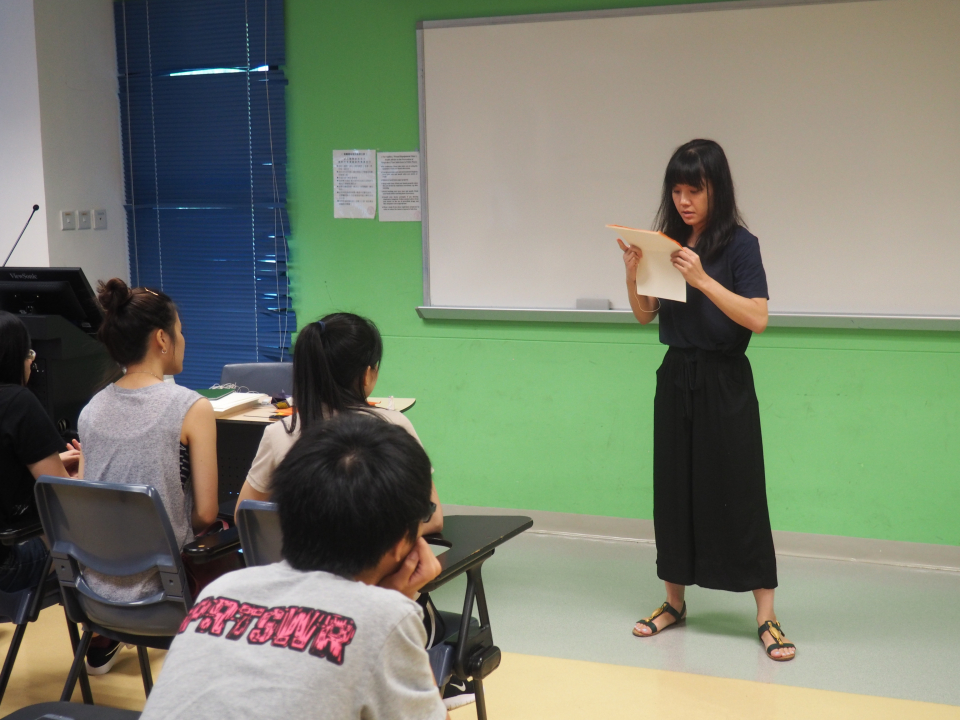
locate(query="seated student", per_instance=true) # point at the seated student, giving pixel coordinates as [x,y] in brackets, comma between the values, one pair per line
[141,430]
[30,446]
[332,630]
[336,362]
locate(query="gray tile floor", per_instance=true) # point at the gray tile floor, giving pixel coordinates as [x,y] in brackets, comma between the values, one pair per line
[859,628]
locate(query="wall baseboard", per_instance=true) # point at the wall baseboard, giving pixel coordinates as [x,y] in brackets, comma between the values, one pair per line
[791,544]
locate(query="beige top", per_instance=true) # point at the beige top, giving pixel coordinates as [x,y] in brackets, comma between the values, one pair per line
[276,443]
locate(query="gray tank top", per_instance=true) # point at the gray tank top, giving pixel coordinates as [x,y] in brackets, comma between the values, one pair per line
[133,437]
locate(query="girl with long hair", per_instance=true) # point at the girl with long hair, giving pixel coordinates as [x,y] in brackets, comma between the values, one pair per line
[336,362]
[709,495]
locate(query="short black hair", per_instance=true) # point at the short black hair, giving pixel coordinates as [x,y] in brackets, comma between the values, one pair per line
[14,348]
[349,490]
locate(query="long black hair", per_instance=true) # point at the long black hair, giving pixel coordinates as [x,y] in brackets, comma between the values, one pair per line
[14,348]
[330,361]
[131,315]
[700,164]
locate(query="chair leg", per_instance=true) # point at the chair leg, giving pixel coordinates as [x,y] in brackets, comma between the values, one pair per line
[145,671]
[78,659]
[480,699]
[11,658]
[84,678]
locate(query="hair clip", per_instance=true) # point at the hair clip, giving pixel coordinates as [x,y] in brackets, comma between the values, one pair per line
[150,291]
[323,326]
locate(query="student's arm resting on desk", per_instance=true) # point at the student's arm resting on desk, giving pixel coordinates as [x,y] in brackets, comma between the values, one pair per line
[751,313]
[644,308]
[199,434]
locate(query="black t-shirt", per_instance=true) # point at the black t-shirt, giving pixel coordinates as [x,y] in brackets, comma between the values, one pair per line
[27,435]
[698,323]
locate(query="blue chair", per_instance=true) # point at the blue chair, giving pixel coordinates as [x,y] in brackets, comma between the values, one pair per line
[465,646]
[271,378]
[23,606]
[118,530]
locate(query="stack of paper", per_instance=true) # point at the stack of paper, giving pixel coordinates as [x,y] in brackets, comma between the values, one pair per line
[236,401]
[656,275]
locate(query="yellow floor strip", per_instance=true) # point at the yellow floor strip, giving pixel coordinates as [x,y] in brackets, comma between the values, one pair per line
[527,687]
[524,687]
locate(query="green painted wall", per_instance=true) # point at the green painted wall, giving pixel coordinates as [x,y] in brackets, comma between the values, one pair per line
[861,428]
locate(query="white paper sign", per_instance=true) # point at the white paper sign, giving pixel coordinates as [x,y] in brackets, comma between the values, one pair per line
[354,184]
[398,177]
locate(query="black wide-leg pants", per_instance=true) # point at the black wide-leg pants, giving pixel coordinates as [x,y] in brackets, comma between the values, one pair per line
[709,492]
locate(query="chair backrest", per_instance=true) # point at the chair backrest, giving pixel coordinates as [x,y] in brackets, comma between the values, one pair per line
[271,378]
[260,536]
[117,530]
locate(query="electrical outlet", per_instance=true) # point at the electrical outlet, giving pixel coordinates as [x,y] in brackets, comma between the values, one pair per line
[68,219]
[83,219]
[99,219]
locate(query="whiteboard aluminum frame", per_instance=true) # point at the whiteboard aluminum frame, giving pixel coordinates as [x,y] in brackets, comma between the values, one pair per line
[427,311]
[620,317]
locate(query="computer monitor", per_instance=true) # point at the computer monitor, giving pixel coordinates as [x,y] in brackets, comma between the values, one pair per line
[51,291]
[62,315]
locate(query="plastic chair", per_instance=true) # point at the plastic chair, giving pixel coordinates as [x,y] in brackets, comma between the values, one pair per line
[70,711]
[23,606]
[466,649]
[119,530]
[271,378]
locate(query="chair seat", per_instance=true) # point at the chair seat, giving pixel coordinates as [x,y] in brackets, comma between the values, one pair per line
[71,711]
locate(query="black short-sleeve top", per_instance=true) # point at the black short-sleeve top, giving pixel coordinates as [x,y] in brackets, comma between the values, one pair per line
[27,435]
[698,323]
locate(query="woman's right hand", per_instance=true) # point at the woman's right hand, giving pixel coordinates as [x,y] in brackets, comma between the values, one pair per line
[631,259]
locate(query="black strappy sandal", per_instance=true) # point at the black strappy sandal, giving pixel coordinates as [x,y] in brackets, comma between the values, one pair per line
[665,608]
[776,632]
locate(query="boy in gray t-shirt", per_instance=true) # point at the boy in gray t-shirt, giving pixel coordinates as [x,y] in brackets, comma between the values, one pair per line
[332,631]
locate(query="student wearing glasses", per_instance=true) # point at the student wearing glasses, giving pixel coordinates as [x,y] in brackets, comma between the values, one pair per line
[30,446]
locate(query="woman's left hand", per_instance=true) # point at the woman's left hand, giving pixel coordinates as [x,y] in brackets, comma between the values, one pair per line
[688,263]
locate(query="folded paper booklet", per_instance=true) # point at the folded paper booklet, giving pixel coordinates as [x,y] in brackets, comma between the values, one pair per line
[656,275]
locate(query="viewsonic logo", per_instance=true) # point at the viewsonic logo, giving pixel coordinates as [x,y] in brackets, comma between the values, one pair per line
[23,276]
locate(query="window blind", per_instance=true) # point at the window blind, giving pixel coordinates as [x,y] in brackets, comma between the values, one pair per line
[204,141]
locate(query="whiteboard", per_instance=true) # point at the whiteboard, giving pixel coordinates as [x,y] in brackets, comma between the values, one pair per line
[841,122]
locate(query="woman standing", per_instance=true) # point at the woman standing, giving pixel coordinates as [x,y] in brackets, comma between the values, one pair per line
[709,495]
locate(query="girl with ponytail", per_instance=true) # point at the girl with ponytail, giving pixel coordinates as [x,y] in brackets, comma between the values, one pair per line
[336,361]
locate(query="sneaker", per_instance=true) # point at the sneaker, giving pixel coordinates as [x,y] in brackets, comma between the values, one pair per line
[101,655]
[458,693]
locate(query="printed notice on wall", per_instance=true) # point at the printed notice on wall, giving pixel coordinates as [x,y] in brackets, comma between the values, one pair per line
[399,185]
[354,184]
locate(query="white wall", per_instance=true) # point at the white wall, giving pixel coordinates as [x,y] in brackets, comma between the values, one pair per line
[21,162]
[80,120]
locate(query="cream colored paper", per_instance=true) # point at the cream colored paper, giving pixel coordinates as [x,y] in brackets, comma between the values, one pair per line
[656,275]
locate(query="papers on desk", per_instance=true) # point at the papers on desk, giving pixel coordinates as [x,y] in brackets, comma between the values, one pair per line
[656,275]
[235,402]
